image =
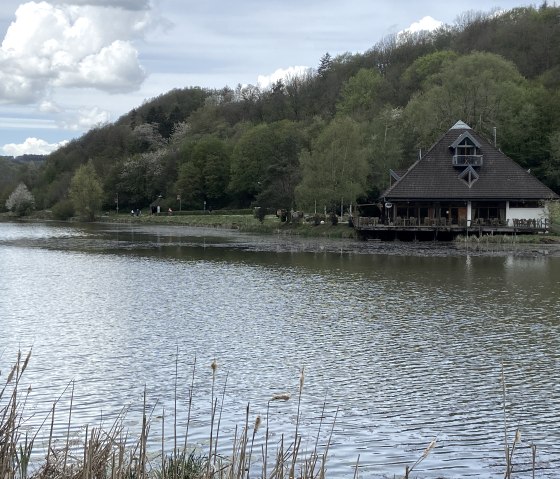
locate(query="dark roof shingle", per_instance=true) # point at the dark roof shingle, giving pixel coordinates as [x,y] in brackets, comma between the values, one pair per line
[434,177]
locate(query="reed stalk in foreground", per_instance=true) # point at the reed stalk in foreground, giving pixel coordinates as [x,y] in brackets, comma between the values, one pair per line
[111,453]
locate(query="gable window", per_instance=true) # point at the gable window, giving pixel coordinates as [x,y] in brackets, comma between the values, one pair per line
[466,151]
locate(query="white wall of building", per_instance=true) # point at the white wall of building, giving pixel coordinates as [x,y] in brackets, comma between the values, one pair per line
[527,213]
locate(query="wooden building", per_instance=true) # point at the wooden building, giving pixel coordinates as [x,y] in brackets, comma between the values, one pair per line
[462,184]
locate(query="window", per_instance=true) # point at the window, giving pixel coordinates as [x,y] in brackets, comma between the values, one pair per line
[469,176]
[466,151]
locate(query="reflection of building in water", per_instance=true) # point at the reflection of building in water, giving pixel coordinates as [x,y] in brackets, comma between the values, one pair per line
[523,263]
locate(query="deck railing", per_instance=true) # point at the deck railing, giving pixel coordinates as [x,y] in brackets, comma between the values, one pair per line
[529,224]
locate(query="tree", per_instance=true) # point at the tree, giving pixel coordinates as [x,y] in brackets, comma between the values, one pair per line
[324,65]
[141,177]
[385,144]
[335,169]
[482,89]
[264,164]
[21,201]
[204,176]
[363,94]
[424,68]
[146,137]
[297,87]
[282,173]
[86,192]
[551,168]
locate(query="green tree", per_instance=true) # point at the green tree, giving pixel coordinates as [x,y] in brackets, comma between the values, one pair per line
[205,174]
[264,164]
[21,201]
[386,147]
[325,64]
[141,177]
[482,89]
[336,168]
[551,167]
[282,173]
[86,192]
[363,94]
[425,68]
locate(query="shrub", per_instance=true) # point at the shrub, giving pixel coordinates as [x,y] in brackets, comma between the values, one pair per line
[259,213]
[21,201]
[63,210]
[317,219]
[554,212]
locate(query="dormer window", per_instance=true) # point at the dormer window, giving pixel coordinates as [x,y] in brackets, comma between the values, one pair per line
[466,151]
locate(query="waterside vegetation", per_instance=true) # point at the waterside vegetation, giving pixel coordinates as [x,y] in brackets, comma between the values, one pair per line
[112,452]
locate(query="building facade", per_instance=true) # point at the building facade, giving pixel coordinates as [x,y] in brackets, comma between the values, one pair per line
[465,181]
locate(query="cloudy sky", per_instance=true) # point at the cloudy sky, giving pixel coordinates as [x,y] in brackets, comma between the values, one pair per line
[68,65]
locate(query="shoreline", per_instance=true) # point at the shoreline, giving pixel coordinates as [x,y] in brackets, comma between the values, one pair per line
[273,226]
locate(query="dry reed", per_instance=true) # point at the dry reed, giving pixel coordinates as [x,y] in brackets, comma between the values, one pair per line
[110,453]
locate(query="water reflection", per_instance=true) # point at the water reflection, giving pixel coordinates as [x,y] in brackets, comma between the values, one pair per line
[409,346]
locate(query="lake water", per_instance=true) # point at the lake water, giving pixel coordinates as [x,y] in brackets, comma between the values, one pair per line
[407,341]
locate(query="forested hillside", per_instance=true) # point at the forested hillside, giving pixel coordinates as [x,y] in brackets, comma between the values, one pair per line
[332,134]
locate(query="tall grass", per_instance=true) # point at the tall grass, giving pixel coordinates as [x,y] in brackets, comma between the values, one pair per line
[111,453]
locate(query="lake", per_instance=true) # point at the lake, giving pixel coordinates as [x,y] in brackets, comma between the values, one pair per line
[407,341]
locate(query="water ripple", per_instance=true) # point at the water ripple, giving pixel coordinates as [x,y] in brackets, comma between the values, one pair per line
[407,347]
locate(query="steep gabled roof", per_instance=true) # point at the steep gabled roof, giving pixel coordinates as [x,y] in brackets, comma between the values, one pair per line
[434,177]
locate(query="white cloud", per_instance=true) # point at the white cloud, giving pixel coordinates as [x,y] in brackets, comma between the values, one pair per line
[264,81]
[48,106]
[114,68]
[125,4]
[27,123]
[425,24]
[85,118]
[80,46]
[31,146]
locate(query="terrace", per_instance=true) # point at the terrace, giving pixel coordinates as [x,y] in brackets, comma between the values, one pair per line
[442,228]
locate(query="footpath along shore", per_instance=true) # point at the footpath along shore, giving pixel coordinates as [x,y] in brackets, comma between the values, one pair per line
[272,225]
[245,223]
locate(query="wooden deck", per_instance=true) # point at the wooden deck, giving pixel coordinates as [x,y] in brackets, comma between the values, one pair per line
[439,229]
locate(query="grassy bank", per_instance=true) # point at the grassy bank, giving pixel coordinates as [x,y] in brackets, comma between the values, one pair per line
[245,223]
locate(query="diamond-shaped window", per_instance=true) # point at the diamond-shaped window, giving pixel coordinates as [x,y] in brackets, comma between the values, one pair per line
[469,176]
